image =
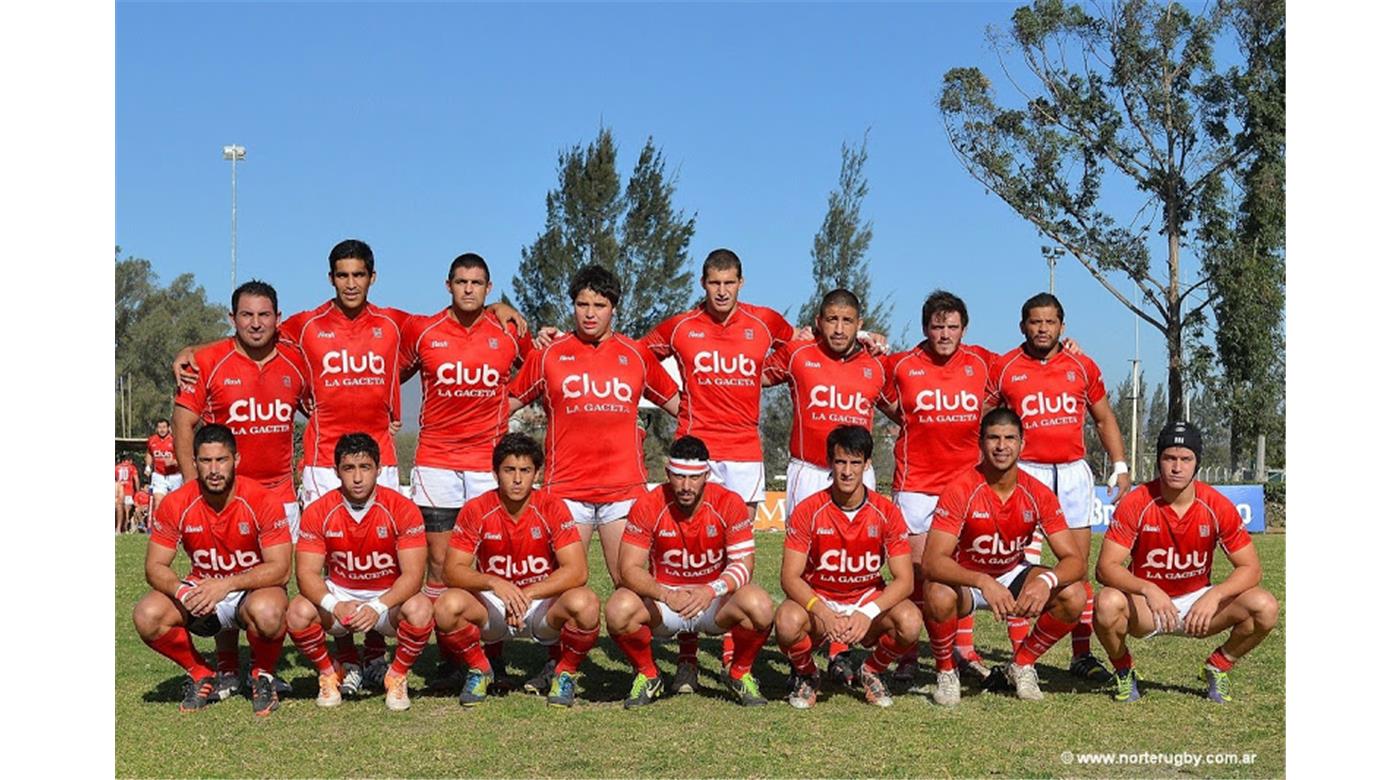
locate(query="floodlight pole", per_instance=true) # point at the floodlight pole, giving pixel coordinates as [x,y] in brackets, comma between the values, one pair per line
[233,153]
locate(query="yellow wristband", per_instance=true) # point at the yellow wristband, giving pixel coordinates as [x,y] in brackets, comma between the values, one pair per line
[812,601]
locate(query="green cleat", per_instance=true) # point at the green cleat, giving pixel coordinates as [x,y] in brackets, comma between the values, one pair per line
[475,688]
[746,690]
[645,690]
[561,690]
[1217,684]
[1127,685]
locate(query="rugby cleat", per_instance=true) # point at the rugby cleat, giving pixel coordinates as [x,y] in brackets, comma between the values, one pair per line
[1090,668]
[396,692]
[375,672]
[278,684]
[329,695]
[352,680]
[804,690]
[746,690]
[476,687]
[907,670]
[997,680]
[197,694]
[446,676]
[949,690]
[226,684]
[1026,680]
[539,684]
[687,679]
[1127,688]
[264,695]
[561,690]
[875,691]
[840,671]
[645,690]
[1217,684]
[973,667]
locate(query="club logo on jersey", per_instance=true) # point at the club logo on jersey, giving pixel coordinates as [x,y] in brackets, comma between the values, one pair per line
[839,561]
[248,410]
[243,528]
[1040,403]
[578,386]
[711,531]
[457,374]
[622,360]
[1205,530]
[1174,560]
[1069,375]
[866,372]
[829,397]
[936,401]
[535,532]
[341,361]
[493,343]
[993,544]
[872,532]
[286,381]
[382,532]
[378,332]
[712,362]
[748,334]
[512,568]
[968,370]
[684,559]
[375,561]
[209,558]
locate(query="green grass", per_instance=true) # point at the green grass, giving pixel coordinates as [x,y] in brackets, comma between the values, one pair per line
[706,734]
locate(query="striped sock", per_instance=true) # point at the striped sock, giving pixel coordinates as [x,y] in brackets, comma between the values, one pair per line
[1221,660]
[800,653]
[576,643]
[412,640]
[1016,630]
[941,636]
[636,645]
[266,651]
[311,643]
[963,643]
[886,651]
[747,644]
[464,645]
[177,645]
[1085,627]
[1048,630]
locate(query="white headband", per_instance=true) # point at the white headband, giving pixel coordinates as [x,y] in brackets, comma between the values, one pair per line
[687,466]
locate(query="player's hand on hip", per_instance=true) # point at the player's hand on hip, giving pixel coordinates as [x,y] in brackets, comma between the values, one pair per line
[1164,614]
[1034,594]
[184,368]
[1197,619]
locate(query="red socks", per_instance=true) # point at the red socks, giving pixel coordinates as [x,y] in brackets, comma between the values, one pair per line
[1048,630]
[1085,627]
[637,647]
[941,636]
[412,640]
[375,646]
[964,640]
[687,646]
[834,649]
[266,652]
[464,645]
[576,644]
[227,660]
[800,653]
[887,650]
[311,643]
[345,651]
[746,645]
[1219,660]
[1122,664]
[726,653]
[176,645]
[1016,630]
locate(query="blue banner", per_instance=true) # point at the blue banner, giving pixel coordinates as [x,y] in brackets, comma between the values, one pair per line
[1248,499]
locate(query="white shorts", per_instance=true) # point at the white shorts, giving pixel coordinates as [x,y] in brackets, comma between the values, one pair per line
[166,483]
[447,489]
[1072,483]
[536,627]
[741,476]
[1183,605]
[316,481]
[806,479]
[129,500]
[980,602]
[383,625]
[293,510]
[704,623]
[846,608]
[588,513]
[917,509]
[226,612]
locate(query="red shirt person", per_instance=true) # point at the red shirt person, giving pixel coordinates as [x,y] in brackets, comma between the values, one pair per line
[161,468]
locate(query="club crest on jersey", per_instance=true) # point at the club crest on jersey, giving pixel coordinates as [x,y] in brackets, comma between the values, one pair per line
[872,532]
[967,370]
[378,332]
[1069,375]
[493,343]
[1026,515]
[622,360]
[710,531]
[243,529]
[382,532]
[1205,530]
[286,381]
[748,334]
[535,532]
[866,372]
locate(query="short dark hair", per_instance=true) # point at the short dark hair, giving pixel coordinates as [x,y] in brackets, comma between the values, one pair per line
[598,279]
[1039,300]
[839,297]
[1002,415]
[943,302]
[352,249]
[721,260]
[519,445]
[215,433]
[160,420]
[851,438]
[469,260]
[255,288]
[356,444]
[690,448]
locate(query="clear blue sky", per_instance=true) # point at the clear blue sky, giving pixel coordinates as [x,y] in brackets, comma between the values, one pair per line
[430,130]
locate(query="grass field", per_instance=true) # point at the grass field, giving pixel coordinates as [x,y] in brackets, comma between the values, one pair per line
[705,735]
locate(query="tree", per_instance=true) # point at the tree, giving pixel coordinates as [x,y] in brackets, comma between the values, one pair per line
[636,233]
[1136,93]
[152,324]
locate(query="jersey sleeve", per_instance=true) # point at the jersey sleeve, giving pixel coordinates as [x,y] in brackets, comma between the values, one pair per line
[408,525]
[1123,529]
[165,526]
[290,328]
[896,533]
[658,385]
[799,530]
[528,384]
[889,392]
[195,398]
[775,366]
[466,534]
[1094,388]
[1052,515]
[777,325]
[273,528]
[658,341]
[311,534]
[523,344]
[1233,535]
[408,344]
[738,528]
[561,523]
[951,511]
[640,524]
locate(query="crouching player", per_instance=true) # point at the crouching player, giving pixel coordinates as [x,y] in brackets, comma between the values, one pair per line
[371,543]
[975,559]
[235,534]
[516,566]
[837,542]
[686,561]
[1166,531]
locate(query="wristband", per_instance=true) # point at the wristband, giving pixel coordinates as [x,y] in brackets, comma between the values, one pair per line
[1049,578]
[377,606]
[328,603]
[811,602]
[871,610]
[184,590]
[1119,467]
[719,586]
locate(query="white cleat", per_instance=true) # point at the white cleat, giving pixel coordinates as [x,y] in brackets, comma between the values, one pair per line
[396,692]
[1026,681]
[949,690]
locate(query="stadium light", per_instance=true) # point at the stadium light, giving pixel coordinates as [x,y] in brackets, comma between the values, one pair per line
[233,153]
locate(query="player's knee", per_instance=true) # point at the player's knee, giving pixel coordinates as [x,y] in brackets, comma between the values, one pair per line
[1072,598]
[149,617]
[622,610]
[1263,608]
[267,614]
[756,605]
[449,609]
[418,610]
[790,621]
[940,601]
[301,613]
[1109,605]
[907,622]
[583,606]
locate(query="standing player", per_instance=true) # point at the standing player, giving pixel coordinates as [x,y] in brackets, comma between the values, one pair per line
[235,534]
[686,561]
[1051,390]
[1166,532]
[591,382]
[127,485]
[837,542]
[161,468]
[516,567]
[975,558]
[371,542]
[253,384]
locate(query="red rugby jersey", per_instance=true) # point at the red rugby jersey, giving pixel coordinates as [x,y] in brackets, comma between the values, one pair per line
[590,393]
[941,408]
[353,371]
[845,554]
[690,550]
[520,550]
[992,534]
[126,475]
[256,402]
[159,447]
[1175,552]
[362,554]
[1053,398]
[464,372]
[223,543]
[827,392]
[720,364]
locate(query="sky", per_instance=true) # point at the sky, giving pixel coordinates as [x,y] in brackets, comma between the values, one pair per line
[432,130]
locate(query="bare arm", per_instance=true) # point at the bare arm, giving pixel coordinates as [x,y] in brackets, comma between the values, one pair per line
[632,570]
[1112,573]
[673,405]
[185,370]
[412,563]
[182,427]
[159,574]
[1112,439]
[572,573]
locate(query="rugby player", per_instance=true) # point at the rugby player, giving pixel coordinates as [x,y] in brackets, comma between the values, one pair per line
[687,560]
[253,384]
[162,470]
[127,485]
[1051,389]
[590,384]
[837,542]
[975,558]
[370,541]
[516,567]
[235,534]
[1165,532]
